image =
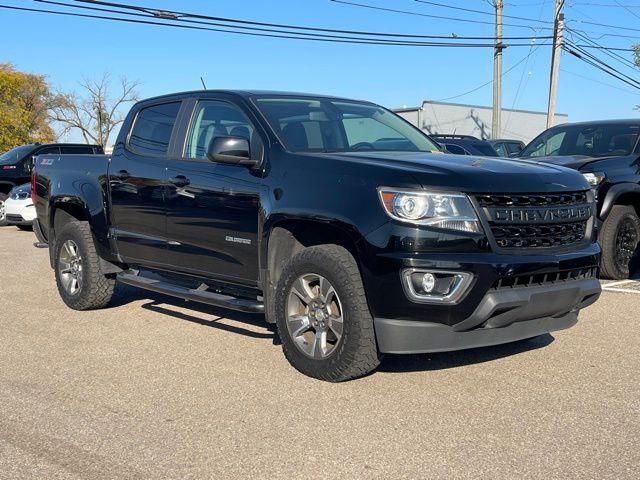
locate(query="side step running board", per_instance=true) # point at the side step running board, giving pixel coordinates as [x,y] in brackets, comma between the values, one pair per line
[195,295]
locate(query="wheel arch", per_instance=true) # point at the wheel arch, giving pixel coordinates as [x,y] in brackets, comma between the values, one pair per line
[6,187]
[65,209]
[621,194]
[289,236]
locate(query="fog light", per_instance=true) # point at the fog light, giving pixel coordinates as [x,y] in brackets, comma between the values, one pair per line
[435,286]
[428,282]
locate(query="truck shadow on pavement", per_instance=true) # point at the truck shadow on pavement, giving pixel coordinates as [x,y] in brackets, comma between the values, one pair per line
[445,360]
[158,303]
[258,328]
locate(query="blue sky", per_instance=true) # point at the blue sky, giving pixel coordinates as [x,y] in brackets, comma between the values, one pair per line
[166,59]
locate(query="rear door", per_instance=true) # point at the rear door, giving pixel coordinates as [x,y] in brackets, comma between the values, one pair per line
[213,208]
[137,180]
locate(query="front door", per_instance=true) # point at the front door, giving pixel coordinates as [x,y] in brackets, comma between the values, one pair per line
[137,179]
[213,208]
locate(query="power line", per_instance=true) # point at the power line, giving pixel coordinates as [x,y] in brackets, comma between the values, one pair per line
[440,17]
[598,81]
[481,12]
[180,16]
[627,9]
[524,71]
[320,38]
[602,63]
[610,52]
[512,67]
[594,63]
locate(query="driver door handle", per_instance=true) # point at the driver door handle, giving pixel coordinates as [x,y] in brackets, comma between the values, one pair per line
[180,181]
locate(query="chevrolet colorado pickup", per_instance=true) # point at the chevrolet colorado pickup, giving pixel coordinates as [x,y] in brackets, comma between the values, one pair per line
[337,219]
[607,153]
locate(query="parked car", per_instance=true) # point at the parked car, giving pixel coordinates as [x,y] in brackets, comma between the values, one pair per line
[298,206]
[19,209]
[607,153]
[507,148]
[465,145]
[15,165]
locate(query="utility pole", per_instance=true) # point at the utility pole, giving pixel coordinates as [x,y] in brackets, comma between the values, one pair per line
[558,37]
[497,72]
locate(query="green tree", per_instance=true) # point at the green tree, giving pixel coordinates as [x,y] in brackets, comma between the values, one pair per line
[24,102]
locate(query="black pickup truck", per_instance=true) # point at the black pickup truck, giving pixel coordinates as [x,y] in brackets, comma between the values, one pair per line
[338,220]
[607,153]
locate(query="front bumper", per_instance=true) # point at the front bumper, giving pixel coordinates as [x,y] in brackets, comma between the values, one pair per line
[503,315]
[20,212]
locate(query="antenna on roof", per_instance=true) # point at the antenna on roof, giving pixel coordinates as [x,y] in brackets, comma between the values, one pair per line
[203,85]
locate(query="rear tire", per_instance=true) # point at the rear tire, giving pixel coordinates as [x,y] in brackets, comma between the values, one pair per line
[3,214]
[330,335]
[619,240]
[79,277]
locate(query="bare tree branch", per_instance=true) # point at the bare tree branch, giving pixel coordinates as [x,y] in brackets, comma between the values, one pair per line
[95,113]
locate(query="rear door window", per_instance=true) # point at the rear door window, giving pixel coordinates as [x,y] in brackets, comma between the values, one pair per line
[77,150]
[152,129]
[48,150]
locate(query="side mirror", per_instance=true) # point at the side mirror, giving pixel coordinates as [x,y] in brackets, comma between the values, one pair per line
[234,150]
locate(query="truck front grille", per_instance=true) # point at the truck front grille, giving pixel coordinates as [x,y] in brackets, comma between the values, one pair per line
[532,200]
[533,221]
[538,236]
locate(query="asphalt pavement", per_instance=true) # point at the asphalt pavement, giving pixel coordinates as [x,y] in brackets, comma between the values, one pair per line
[153,387]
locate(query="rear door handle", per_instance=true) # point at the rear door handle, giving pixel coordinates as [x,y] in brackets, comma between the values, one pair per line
[180,181]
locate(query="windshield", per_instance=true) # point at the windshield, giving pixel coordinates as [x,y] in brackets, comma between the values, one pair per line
[15,154]
[327,125]
[591,141]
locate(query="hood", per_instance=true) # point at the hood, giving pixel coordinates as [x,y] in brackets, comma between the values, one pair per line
[473,174]
[26,188]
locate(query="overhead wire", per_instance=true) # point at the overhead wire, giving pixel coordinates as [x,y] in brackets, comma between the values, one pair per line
[319,38]
[512,67]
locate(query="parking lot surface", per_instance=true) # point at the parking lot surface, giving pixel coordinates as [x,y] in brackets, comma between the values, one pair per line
[156,388]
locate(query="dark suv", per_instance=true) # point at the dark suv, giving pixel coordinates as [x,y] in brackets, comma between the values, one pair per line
[15,164]
[607,153]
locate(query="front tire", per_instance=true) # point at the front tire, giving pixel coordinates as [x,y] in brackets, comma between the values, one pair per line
[79,277]
[322,315]
[619,240]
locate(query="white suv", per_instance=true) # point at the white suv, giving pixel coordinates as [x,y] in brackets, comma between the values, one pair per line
[19,209]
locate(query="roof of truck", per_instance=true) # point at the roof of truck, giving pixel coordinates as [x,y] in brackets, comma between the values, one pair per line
[250,93]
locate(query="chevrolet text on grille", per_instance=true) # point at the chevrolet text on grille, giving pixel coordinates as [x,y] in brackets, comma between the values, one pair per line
[540,215]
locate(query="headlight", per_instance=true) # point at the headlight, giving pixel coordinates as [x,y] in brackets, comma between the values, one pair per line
[451,211]
[594,179]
